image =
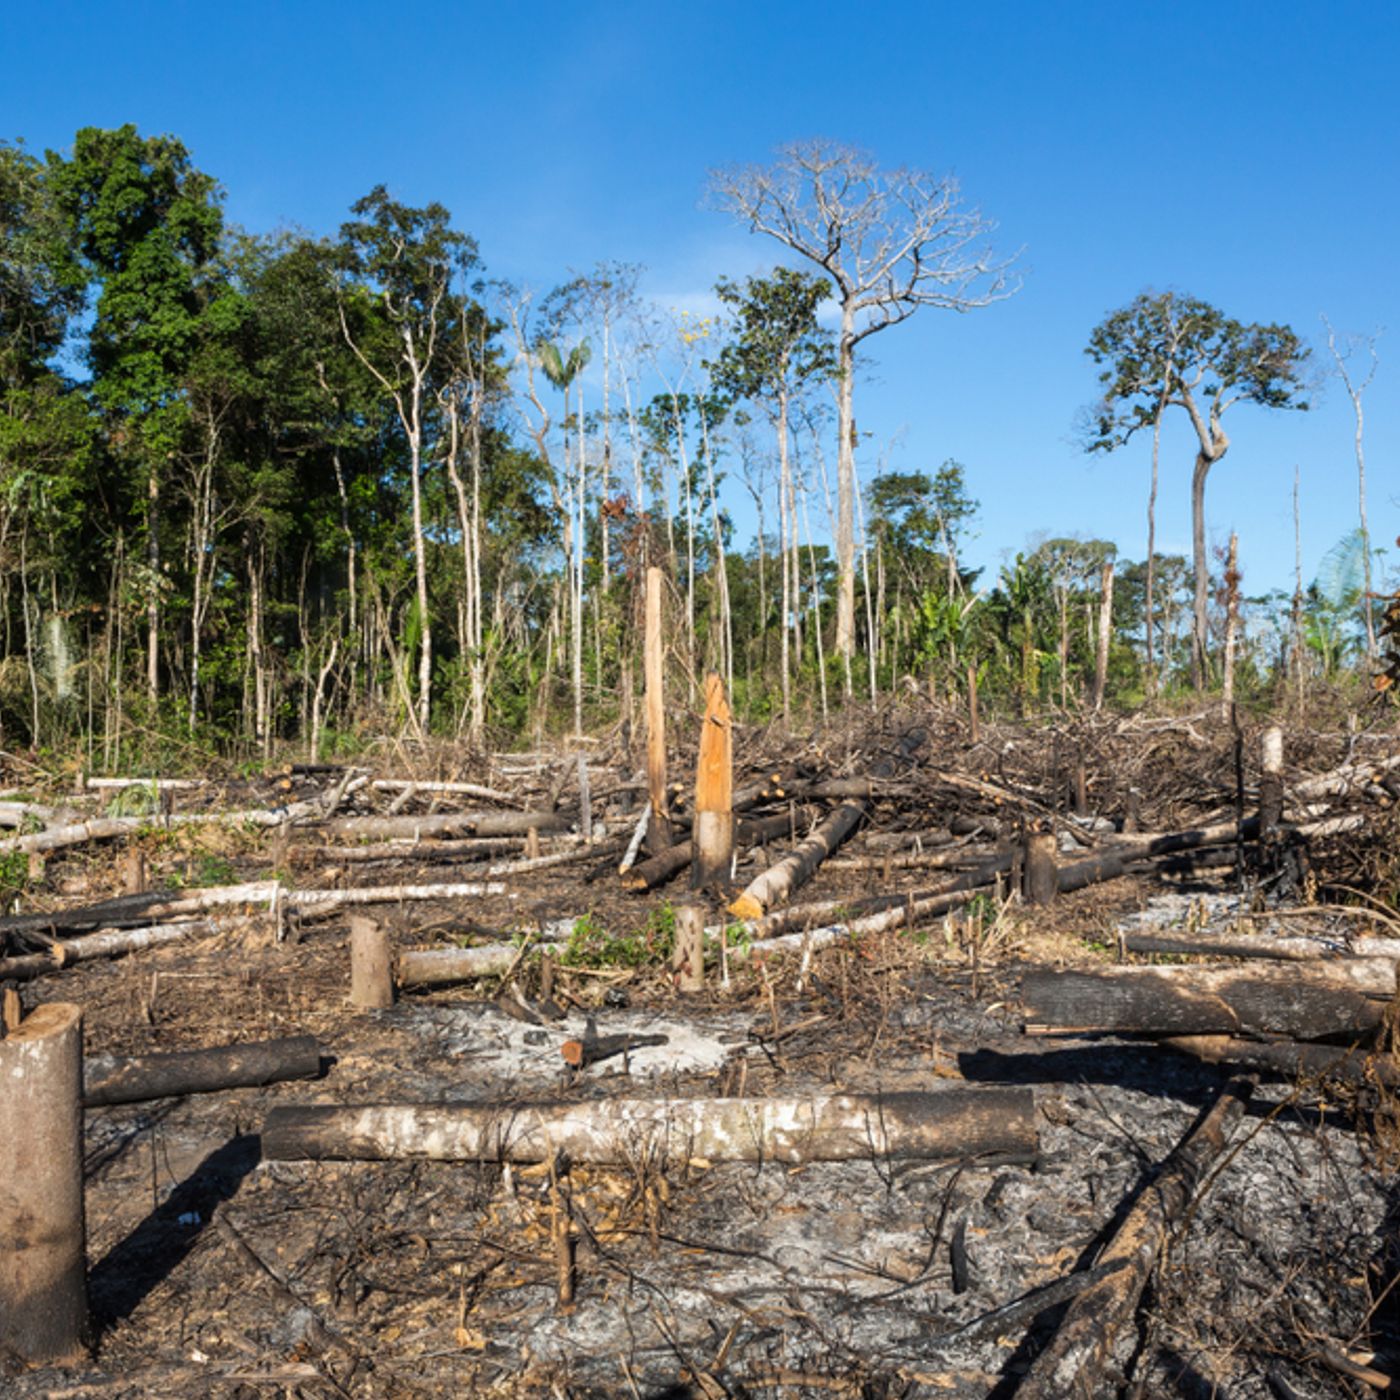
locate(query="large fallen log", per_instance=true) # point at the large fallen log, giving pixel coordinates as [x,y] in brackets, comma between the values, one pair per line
[1291,1059]
[777,883]
[966,1124]
[1238,945]
[440,967]
[103,943]
[105,828]
[1300,1001]
[450,823]
[325,900]
[797,867]
[480,848]
[648,874]
[113,1079]
[1073,1363]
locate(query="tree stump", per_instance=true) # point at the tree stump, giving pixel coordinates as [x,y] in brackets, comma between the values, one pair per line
[371,966]
[43,1246]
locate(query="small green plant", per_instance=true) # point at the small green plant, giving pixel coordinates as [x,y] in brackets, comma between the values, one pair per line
[591,945]
[738,937]
[213,870]
[14,875]
[135,800]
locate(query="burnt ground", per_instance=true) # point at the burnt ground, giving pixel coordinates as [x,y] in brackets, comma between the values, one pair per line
[214,1273]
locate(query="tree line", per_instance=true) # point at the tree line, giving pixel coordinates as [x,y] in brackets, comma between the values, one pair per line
[260,488]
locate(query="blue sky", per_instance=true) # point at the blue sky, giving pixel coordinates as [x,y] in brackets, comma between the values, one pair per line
[1245,153]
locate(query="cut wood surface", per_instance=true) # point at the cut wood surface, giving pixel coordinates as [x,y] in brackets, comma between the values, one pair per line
[712,834]
[113,1079]
[944,1125]
[778,882]
[656,870]
[797,867]
[1072,1365]
[1301,1001]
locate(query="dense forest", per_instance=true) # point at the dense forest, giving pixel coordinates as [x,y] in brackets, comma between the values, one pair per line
[264,489]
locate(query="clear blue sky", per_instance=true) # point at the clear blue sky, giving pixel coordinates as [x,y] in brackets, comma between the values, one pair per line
[1245,153]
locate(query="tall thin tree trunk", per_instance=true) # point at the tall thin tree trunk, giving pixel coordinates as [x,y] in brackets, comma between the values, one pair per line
[153,590]
[845,495]
[1105,635]
[1150,601]
[1232,620]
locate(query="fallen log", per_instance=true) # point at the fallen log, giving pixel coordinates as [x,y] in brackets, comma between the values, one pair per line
[648,874]
[137,909]
[1340,782]
[150,784]
[439,967]
[113,1079]
[102,943]
[583,1051]
[1235,945]
[944,1125]
[1072,1364]
[797,867]
[472,848]
[928,860]
[451,823]
[487,794]
[777,883]
[105,828]
[392,894]
[1303,1002]
[1291,1059]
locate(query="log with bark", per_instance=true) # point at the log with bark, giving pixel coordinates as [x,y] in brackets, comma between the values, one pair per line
[129,911]
[113,1079]
[968,1124]
[1238,945]
[1301,1001]
[440,967]
[1291,1059]
[106,828]
[102,943]
[486,794]
[581,1051]
[778,882]
[450,823]
[648,874]
[1073,1363]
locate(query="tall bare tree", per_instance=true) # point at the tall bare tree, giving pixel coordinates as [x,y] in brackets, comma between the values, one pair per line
[1356,386]
[891,241]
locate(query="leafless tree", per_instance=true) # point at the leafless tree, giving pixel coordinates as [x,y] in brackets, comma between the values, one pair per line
[892,241]
[1342,355]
